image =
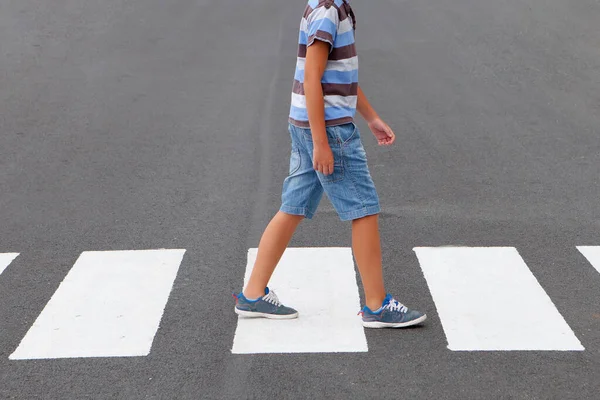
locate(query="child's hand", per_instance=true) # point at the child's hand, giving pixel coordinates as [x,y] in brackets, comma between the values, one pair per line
[383,133]
[323,159]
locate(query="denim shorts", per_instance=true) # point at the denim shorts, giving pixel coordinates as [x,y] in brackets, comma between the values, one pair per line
[350,188]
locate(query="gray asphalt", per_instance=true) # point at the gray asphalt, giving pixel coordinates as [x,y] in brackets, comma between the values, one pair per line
[130,124]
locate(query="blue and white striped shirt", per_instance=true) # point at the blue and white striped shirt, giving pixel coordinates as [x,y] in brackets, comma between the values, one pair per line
[333,22]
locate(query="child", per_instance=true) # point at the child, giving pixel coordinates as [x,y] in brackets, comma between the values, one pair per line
[328,156]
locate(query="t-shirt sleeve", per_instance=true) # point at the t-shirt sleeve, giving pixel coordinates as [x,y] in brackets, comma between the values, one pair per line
[322,24]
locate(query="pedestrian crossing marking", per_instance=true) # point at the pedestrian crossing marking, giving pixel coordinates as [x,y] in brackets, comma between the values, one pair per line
[109,305]
[321,284]
[488,300]
[6,259]
[592,253]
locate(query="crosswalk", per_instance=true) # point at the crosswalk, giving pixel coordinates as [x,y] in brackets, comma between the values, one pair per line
[592,253]
[488,299]
[6,259]
[111,303]
[320,282]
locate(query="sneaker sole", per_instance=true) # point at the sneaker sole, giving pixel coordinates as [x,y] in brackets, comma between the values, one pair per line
[254,314]
[377,324]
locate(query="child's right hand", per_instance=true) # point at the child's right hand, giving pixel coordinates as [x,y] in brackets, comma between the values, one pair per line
[323,159]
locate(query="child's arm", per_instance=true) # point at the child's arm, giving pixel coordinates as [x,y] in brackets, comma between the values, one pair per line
[384,134]
[316,61]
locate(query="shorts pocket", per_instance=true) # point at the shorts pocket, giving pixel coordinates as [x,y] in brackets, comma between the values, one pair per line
[347,133]
[294,161]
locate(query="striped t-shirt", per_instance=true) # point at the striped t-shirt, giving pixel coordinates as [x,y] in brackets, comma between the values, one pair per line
[331,21]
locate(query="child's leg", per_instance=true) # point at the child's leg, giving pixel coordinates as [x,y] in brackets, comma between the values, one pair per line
[367,251]
[273,243]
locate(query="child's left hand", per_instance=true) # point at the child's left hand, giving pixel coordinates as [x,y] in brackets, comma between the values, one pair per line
[383,133]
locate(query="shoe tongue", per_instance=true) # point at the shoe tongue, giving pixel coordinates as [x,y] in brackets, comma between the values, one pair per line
[267,291]
[387,299]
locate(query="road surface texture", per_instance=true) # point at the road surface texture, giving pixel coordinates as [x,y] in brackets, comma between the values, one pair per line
[147,124]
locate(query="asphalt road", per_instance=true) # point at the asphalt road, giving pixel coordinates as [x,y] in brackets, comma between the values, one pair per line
[151,124]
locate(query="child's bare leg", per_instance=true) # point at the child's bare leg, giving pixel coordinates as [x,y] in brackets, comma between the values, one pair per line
[367,251]
[274,240]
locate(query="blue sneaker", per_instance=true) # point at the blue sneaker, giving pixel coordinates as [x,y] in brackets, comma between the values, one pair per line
[391,314]
[267,306]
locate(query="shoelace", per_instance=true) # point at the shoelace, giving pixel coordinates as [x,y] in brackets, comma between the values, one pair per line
[392,305]
[395,305]
[272,298]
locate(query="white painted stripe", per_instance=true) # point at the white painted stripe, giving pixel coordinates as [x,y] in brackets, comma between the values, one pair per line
[346,65]
[592,253]
[6,259]
[488,299]
[109,305]
[321,284]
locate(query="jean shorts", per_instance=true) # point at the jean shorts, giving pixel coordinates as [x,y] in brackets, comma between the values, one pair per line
[350,188]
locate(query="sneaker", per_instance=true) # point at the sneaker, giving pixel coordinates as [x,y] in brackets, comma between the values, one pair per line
[267,306]
[391,314]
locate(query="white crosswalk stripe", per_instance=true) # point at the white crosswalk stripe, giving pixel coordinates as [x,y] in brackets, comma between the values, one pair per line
[6,259]
[488,299]
[321,284]
[109,305]
[592,253]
